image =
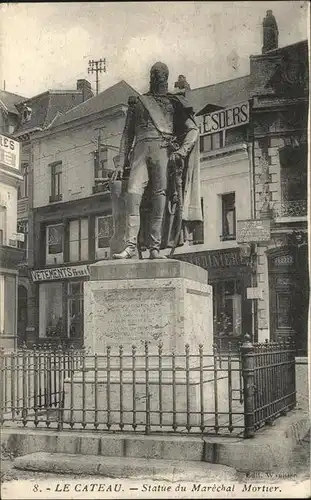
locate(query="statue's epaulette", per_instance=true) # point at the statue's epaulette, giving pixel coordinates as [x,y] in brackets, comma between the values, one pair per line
[132,100]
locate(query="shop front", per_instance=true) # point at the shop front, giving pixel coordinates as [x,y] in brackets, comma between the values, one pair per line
[230,275]
[60,304]
[289,293]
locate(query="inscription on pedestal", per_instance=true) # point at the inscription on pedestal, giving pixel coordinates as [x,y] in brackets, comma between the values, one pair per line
[140,313]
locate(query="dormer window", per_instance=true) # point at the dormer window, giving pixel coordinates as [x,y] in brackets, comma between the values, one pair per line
[26,114]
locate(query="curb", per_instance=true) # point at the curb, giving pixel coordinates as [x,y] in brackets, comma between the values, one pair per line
[270,448]
[121,467]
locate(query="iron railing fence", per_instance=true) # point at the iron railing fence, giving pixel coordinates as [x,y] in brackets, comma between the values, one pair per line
[32,380]
[271,365]
[146,389]
[291,208]
[227,343]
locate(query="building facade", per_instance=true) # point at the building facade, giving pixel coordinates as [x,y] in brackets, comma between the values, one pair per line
[72,222]
[254,180]
[223,116]
[253,240]
[35,114]
[280,97]
[10,255]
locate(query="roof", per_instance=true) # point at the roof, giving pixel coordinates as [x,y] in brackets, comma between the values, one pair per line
[269,70]
[222,94]
[115,95]
[231,92]
[9,100]
[301,44]
[45,106]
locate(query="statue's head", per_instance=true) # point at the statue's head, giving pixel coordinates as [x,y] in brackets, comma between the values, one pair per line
[159,78]
[269,13]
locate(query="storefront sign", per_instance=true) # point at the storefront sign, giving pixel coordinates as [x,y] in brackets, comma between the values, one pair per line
[9,152]
[249,231]
[283,260]
[254,293]
[59,273]
[227,118]
[215,259]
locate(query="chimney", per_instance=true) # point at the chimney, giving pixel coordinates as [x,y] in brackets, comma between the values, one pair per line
[85,87]
[270,33]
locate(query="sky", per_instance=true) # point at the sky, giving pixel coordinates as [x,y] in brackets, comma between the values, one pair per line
[48,45]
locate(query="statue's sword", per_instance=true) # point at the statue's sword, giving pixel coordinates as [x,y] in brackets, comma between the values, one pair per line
[177,172]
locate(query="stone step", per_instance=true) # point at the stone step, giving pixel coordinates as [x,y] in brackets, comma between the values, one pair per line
[123,467]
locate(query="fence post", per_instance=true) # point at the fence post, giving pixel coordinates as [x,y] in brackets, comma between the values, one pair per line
[292,355]
[247,354]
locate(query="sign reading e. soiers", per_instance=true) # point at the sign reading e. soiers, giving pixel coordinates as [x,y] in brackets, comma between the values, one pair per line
[9,152]
[223,119]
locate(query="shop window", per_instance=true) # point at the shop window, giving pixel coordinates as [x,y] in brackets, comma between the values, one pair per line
[227,308]
[294,173]
[75,309]
[198,233]
[228,217]
[283,310]
[56,181]
[78,240]
[103,234]
[1,304]
[235,135]
[211,142]
[54,244]
[23,187]
[51,322]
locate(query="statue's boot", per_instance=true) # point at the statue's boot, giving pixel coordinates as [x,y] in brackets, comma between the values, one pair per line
[129,252]
[155,254]
[155,225]
[133,201]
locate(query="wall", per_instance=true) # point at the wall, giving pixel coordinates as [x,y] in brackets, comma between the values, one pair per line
[75,148]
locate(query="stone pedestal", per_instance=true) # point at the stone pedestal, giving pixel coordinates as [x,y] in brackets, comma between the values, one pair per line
[130,303]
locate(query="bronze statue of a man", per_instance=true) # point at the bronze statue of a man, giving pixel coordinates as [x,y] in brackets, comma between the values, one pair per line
[159,155]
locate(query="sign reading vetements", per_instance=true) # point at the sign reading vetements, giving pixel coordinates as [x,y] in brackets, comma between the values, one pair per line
[58,273]
[253,230]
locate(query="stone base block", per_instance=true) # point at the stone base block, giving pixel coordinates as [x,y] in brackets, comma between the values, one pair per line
[182,401]
[130,302]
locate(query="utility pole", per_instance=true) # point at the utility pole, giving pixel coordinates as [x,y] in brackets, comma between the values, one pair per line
[97,67]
